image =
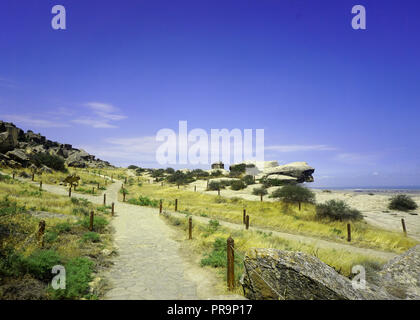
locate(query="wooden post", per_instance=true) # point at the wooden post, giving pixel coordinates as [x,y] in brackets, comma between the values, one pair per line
[41,230]
[190,228]
[91,221]
[33,176]
[112,209]
[261,197]
[247,222]
[218,192]
[160,206]
[93,190]
[403,226]
[104,199]
[69,192]
[176,205]
[195,188]
[98,185]
[244,216]
[40,185]
[123,195]
[230,263]
[13,176]
[348,232]
[300,205]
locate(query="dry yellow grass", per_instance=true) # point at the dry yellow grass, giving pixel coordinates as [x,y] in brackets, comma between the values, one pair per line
[272,215]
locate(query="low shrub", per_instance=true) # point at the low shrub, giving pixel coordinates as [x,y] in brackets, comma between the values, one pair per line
[215,185]
[337,210]
[99,223]
[144,201]
[91,237]
[402,202]
[78,275]
[293,194]
[51,161]
[238,185]
[40,263]
[62,227]
[248,180]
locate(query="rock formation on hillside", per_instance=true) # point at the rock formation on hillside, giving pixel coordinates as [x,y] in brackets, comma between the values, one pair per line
[16,148]
[297,172]
[277,274]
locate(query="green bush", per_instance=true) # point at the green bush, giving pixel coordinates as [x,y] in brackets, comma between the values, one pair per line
[91,237]
[144,201]
[78,275]
[50,236]
[337,210]
[402,202]
[62,227]
[248,180]
[259,191]
[4,178]
[40,263]
[238,185]
[132,167]
[11,263]
[99,223]
[215,185]
[294,193]
[51,161]
[9,207]
[217,257]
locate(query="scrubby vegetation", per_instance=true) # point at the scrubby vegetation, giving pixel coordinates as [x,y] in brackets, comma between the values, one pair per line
[294,194]
[277,215]
[237,185]
[26,261]
[260,192]
[402,202]
[337,210]
[51,161]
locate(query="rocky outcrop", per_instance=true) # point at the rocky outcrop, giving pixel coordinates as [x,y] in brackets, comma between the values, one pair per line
[286,275]
[16,148]
[9,136]
[401,275]
[299,170]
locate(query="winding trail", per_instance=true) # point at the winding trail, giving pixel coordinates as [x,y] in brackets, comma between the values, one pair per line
[149,264]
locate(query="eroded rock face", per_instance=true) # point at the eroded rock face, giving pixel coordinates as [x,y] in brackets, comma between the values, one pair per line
[9,136]
[298,276]
[401,275]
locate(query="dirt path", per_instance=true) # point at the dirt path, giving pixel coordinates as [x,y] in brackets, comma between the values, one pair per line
[151,261]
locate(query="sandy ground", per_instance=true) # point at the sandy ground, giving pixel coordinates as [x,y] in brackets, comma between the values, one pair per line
[372,203]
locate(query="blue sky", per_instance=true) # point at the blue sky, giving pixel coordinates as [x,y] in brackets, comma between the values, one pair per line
[346,101]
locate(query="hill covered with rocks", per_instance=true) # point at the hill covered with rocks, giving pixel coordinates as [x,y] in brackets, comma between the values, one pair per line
[17,148]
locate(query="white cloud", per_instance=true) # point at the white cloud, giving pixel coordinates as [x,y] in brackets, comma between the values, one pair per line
[135,149]
[297,148]
[31,121]
[104,114]
[94,123]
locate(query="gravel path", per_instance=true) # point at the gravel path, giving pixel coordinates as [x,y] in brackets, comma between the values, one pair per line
[149,264]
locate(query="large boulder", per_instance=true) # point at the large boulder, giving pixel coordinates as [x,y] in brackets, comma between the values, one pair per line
[401,275]
[299,170]
[19,156]
[9,135]
[286,275]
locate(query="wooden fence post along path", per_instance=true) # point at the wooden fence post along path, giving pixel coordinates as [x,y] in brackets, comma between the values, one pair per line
[190,228]
[160,206]
[176,205]
[91,221]
[348,232]
[230,263]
